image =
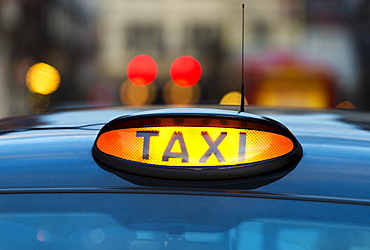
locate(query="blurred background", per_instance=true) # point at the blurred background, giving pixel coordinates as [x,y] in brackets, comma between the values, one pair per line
[88,53]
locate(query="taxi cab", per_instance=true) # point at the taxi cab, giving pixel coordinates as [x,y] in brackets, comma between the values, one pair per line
[185,178]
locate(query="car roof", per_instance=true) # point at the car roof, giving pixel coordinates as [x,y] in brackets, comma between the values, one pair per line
[54,151]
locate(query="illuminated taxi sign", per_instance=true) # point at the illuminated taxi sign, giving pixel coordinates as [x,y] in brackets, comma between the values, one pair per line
[193,146]
[196,147]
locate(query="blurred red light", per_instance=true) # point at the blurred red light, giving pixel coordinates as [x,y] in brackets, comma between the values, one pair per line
[186,71]
[142,70]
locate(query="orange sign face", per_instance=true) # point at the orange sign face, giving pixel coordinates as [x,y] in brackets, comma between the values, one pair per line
[185,146]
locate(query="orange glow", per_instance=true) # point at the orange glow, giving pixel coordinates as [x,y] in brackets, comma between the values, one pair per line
[309,93]
[42,78]
[174,94]
[142,70]
[193,146]
[345,105]
[186,71]
[232,98]
[135,95]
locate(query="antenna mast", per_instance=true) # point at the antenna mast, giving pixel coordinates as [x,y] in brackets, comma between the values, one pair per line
[242,85]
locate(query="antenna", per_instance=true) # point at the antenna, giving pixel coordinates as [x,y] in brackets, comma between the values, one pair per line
[242,85]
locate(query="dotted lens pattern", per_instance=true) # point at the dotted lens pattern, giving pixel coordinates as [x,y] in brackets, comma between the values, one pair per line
[187,146]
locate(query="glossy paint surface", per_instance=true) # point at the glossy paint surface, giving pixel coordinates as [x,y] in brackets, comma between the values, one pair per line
[54,151]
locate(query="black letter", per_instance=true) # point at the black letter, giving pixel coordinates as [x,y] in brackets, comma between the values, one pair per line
[177,136]
[146,135]
[242,142]
[213,147]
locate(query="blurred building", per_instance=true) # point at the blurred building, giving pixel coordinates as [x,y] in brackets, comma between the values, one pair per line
[360,27]
[8,17]
[91,43]
[208,30]
[56,32]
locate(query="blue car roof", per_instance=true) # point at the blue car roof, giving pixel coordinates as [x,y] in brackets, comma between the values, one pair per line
[54,151]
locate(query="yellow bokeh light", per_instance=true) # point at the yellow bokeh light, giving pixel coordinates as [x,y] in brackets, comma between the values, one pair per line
[135,95]
[42,78]
[174,94]
[193,146]
[232,98]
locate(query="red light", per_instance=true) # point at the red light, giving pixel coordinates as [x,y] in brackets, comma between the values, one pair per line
[142,70]
[186,71]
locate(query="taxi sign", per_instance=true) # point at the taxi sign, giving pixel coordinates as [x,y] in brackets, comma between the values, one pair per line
[193,145]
